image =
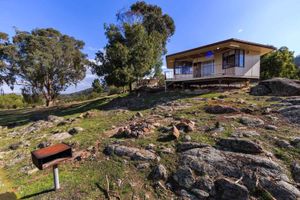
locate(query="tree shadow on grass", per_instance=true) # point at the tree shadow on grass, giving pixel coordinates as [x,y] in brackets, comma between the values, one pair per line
[134,102]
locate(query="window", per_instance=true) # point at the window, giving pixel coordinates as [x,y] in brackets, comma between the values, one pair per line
[207,68]
[233,58]
[183,67]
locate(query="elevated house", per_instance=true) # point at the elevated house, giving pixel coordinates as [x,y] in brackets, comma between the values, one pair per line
[223,62]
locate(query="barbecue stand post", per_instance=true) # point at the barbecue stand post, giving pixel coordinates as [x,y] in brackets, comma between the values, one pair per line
[51,157]
[56,177]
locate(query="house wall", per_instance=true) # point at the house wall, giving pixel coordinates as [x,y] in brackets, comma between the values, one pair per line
[251,69]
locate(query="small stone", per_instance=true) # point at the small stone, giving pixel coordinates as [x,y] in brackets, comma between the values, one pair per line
[251,121]
[141,166]
[187,138]
[75,130]
[15,146]
[271,127]
[159,172]
[139,114]
[175,132]
[282,143]
[43,144]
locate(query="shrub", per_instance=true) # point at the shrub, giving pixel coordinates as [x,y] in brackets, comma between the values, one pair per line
[11,101]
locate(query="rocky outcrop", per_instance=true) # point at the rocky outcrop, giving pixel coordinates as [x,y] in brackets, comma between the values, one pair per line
[295,168]
[277,87]
[220,109]
[130,152]
[251,121]
[241,174]
[228,190]
[292,113]
[240,145]
[159,172]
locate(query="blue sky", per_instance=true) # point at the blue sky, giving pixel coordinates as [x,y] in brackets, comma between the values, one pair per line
[198,22]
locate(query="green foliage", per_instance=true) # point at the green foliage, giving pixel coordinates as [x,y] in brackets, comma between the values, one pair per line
[31,97]
[279,63]
[115,90]
[48,61]
[97,86]
[297,61]
[11,101]
[6,55]
[135,45]
[128,56]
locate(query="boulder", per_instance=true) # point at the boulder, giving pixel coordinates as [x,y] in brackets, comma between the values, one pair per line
[295,169]
[296,142]
[200,194]
[130,152]
[186,125]
[240,145]
[187,138]
[184,177]
[228,190]
[251,121]
[159,172]
[277,87]
[60,136]
[214,163]
[260,90]
[220,109]
[292,113]
[279,189]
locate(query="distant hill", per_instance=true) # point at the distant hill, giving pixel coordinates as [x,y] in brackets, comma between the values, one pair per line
[79,93]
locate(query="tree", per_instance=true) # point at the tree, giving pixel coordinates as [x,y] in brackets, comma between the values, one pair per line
[6,57]
[47,62]
[135,45]
[297,61]
[128,56]
[155,22]
[279,63]
[97,86]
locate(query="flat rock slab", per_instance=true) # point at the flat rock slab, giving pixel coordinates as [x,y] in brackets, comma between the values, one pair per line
[60,136]
[220,109]
[240,145]
[251,121]
[130,152]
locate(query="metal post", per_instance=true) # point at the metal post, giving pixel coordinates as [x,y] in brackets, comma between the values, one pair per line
[56,177]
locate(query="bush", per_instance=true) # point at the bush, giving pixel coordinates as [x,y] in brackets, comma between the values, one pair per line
[11,101]
[115,90]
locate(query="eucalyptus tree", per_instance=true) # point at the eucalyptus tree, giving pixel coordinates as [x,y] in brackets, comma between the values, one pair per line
[47,61]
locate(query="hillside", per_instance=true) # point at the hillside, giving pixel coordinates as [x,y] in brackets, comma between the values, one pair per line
[179,144]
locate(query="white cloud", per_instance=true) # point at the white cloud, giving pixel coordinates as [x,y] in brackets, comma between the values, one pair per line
[240,30]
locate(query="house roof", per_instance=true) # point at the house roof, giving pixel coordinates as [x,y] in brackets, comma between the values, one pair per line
[220,46]
[224,41]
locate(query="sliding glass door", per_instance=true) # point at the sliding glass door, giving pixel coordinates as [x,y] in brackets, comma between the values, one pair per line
[207,68]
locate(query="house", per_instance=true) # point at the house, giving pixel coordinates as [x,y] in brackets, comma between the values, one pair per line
[223,62]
